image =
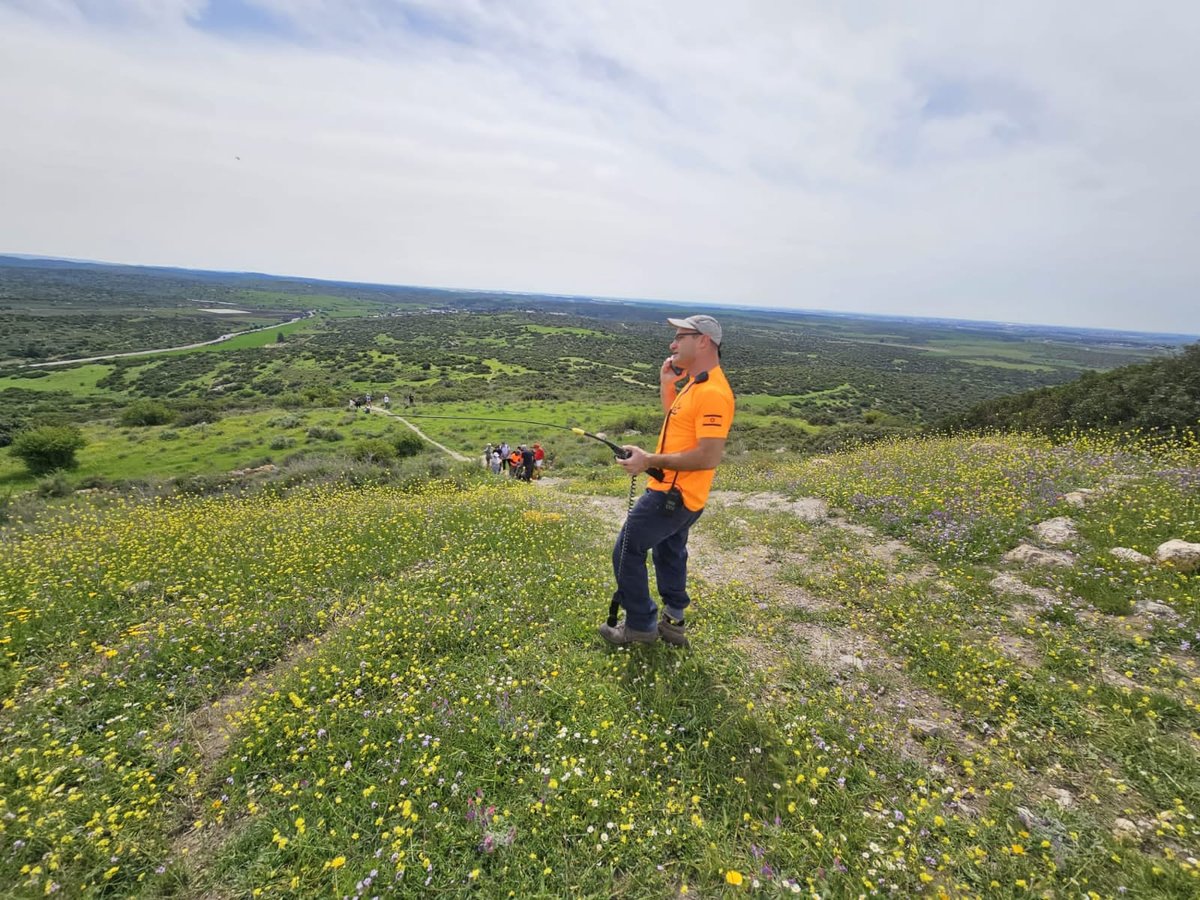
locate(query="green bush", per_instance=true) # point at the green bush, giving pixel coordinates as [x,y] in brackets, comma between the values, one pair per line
[407,443]
[374,450]
[145,412]
[54,485]
[9,427]
[282,442]
[48,447]
[320,433]
[197,415]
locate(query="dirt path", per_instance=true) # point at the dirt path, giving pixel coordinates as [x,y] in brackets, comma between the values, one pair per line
[458,457]
[209,728]
[851,656]
[821,634]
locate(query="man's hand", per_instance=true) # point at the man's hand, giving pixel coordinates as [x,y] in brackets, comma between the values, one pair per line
[705,455]
[637,462]
[667,374]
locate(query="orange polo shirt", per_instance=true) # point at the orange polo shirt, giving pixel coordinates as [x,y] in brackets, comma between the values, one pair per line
[703,409]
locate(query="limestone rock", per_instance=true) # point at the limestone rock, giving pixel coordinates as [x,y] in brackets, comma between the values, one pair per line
[925,728]
[257,470]
[1027,554]
[1029,819]
[1079,498]
[1183,555]
[1127,554]
[1056,532]
[1064,798]
[1151,608]
[1125,830]
[1005,583]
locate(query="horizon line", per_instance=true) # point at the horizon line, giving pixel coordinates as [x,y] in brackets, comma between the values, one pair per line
[587,297]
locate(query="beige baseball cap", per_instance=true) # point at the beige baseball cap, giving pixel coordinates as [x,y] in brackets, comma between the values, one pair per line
[703,324]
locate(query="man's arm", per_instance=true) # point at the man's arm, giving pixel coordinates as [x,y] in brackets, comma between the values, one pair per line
[705,455]
[666,383]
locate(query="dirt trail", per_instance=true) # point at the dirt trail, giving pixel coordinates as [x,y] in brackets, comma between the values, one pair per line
[208,728]
[458,457]
[851,656]
[924,724]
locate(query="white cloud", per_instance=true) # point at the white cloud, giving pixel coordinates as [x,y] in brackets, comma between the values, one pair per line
[1015,161]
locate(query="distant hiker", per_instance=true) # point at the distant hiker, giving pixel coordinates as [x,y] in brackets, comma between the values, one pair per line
[353,405]
[487,456]
[504,456]
[495,462]
[690,445]
[514,463]
[387,402]
[526,463]
[411,401]
[539,457]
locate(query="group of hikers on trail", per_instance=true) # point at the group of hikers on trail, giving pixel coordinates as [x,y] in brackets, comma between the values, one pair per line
[523,462]
[364,402]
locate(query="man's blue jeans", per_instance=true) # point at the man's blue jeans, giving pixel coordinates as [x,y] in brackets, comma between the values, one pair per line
[649,528]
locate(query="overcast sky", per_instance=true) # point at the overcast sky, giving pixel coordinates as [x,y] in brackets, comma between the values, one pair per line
[1014,161]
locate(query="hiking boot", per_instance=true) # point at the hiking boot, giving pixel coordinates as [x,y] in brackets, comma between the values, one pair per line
[620,635]
[672,632]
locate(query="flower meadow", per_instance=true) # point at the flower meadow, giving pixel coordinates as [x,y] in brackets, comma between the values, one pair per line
[361,692]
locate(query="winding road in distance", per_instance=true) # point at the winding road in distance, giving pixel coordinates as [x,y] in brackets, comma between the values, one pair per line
[225,337]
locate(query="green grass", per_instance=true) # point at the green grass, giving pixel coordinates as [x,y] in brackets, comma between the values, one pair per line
[164,451]
[77,380]
[431,711]
[564,329]
[463,433]
[1004,364]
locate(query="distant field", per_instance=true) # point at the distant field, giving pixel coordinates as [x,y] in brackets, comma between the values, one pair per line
[73,380]
[163,451]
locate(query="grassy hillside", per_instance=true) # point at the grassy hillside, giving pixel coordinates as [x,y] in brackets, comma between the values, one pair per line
[1156,396]
[350,691]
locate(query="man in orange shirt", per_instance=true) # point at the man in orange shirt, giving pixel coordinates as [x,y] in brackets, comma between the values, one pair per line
[690,445]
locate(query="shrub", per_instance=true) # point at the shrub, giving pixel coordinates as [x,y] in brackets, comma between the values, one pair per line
[48,447]
[320,433]
[196,416]
[374,450]
[54,485]
[287,421]
[282,442]
[407,443]
[169,436]
[145,412]
[9,427]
